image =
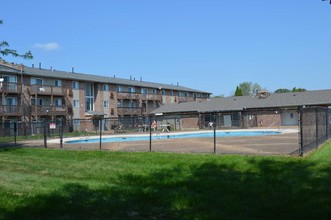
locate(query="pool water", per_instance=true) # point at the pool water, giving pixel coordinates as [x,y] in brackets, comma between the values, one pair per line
[174,136]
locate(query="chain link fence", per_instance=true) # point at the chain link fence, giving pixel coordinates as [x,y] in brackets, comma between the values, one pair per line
[314,127]
[215,132]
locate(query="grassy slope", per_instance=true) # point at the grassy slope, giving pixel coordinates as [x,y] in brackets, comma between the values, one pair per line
[62,184]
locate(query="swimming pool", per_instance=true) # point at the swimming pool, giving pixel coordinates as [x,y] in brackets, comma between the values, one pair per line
[159,136]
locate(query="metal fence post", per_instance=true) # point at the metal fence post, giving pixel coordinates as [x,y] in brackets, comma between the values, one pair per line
[316,117]
[301,132]
[61,133]
[150,133]
[15,132]
[100,128]
[45,134]
[327,124]
[214,125]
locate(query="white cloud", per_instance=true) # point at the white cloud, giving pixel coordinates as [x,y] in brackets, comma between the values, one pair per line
[48,46]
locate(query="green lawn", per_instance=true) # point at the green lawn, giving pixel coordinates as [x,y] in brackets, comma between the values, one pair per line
[65,184]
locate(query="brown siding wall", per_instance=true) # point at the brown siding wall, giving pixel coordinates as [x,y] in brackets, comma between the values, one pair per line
[190,123]
[267,120]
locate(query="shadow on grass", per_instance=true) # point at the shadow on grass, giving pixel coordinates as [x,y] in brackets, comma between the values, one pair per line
[262,189]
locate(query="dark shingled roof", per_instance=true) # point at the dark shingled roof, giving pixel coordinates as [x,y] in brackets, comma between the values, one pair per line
[104,79]
[7,68]
[237,103]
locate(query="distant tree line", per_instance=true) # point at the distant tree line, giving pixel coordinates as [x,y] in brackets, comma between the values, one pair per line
[249,88]
[284,90]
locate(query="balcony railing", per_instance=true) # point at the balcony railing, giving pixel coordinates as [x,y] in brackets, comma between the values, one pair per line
[49,110]
[185,99]
[154,97]
[127,95]
[48,90]
[128,111]
[8,110]
[201,99]
[10,87]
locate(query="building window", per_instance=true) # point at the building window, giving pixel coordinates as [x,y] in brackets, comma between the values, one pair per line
[131,90]
[182,94]
[39,102]
[10,101]
[36,81]
[10,79]
[106,104]
[58,82]
[144,91]
[88,104]
[75,85]
[88,89]
[11,82]
[171,93]
[58,102]
[119,88]
[76,103]
[105,87]
[89,97]
[163,92]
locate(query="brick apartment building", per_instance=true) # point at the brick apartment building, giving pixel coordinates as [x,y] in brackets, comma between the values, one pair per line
[30,94]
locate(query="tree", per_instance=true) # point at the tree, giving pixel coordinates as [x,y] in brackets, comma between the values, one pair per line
[248,88]
[282,90]
[298,89]
[238,92]
[6,51]
[255,88]
[219,96]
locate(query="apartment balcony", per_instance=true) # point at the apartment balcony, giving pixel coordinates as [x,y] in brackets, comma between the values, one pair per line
[42,110]
[200,99]
[6,87]
[10,110]
[185,99]
[151,97]
[127,95]
[48,90]
[128,111]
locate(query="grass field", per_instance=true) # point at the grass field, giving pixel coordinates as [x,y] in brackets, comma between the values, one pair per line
[67,184]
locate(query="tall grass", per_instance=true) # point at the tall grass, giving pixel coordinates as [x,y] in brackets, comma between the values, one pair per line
[64,184]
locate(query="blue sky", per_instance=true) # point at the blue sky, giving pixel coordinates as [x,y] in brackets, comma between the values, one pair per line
[210,45]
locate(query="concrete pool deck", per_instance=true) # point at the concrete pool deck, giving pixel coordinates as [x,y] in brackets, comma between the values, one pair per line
[276,144]
[158,133]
